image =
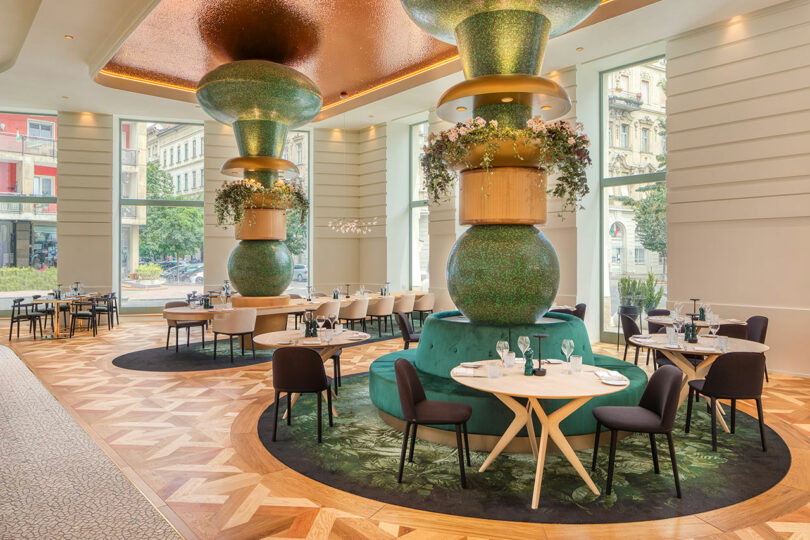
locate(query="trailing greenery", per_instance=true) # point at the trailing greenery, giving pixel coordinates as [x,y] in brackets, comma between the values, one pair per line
[233,198]
[148,271]
[27,279]
[563,147]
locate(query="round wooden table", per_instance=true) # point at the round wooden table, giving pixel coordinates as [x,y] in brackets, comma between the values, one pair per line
[293,338]
[705,347]
[579,388]
[187,313]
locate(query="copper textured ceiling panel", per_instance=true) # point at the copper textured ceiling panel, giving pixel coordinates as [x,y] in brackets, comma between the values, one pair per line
[350,48]
[344,46]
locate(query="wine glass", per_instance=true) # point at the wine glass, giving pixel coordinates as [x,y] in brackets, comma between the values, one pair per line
[677,310]
[501,348]
[714,324]
[320,319]
[567,348]
[332,320]
[523,345]
[677,324]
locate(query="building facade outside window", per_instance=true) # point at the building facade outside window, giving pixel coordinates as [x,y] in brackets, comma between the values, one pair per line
[296,149]
[28,190]
[633,180]
[419,237]
[161,217]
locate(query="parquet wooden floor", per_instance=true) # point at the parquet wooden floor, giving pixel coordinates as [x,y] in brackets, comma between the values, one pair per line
[188,442]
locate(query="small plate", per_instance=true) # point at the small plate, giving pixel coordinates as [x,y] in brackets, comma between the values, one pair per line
[288,342]
[471,365]
[356,338]
[615,382]
[642,336]
[552,361]
[673,346]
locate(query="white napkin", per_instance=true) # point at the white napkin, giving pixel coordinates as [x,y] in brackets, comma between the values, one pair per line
[607,373]
[705,349]
[312,342]
[467,372]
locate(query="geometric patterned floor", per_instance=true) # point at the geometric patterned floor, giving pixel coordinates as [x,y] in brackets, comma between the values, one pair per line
[188,442]
[54,481]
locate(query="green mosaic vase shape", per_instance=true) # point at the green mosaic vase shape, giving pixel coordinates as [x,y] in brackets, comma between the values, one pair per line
[260,267]
[503,274]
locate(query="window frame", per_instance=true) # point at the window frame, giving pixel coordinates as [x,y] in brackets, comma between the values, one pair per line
[658,176]
[145,203]
[413,203]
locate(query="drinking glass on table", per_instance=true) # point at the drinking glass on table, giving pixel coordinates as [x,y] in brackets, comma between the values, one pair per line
[567,348]
[523,345]
[714,324]
[677,324]
[677,310]
[576,363]
[320,319]
[332,319]
[501,347]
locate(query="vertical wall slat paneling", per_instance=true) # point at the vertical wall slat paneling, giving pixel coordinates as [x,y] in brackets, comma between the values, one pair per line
[85,193]
[739,178]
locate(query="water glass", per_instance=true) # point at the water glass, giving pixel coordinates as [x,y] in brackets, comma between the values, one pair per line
[329,335]
[509,359]
[722,344]
[576,363]
[493,370]
[338,329]
[501,347]
[672,336]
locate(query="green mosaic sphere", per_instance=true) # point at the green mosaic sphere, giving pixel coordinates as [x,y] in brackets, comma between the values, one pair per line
[260,267]
[503,274]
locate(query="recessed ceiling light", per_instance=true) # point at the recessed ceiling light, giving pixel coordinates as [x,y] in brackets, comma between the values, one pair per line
[64,97]
[197,106]
[507,99]
[546,107]
[580,49]
[68,36]
[344,95]
[371,116]
[461,109]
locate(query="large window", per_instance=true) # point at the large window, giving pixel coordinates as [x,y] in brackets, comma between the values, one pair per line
[633,179]
[161,256]
[28,244]
[419,237]
[296,149]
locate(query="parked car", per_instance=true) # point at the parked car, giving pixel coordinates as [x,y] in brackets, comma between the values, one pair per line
[197,278]
[190,270]
[300,272]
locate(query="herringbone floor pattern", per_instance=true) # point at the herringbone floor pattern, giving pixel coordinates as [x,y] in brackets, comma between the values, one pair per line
[188,441]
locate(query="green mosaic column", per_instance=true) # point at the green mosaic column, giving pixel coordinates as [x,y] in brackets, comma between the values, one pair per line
[503,274]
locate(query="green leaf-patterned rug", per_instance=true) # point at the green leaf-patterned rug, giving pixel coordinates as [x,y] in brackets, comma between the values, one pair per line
[360,454]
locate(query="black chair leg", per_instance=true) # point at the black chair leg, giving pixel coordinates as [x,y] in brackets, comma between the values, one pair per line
[413,442]
[252,346]
[176,339]
[289,409]
[188,336]
[275,417]
[168,336]
[636,362]
[624,358]
[215,345]
[379,326]
[733,415]
[466,443]
[766,374]
[404,449]
[596,444]
[329,406]
[320,427]
[713,413]
[654,449]
[761,424]
[674,464]
[460,457]
[611,460]
[230,340]
[242,343]
[10,329]
[202,333]
[689,410]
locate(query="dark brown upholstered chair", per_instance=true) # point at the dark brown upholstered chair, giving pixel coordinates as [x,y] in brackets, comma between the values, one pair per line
[417,409]
[408,335]
[654,414]
[654,328]
[299,370]
[756,330]
[736,331]
[732,376]
[335,362]
[629,329]
[578,311]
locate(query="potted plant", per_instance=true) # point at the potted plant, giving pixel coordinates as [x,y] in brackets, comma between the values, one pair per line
[652,293]
[553,147]
[258,212]
[629,296]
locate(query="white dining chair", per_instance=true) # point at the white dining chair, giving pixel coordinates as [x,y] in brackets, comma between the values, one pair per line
[239,322]
[381,309]
[354,312]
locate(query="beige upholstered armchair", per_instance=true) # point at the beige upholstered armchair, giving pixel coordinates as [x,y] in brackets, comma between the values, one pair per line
[354,312]
[239,322]
[424,304]
[381,308]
